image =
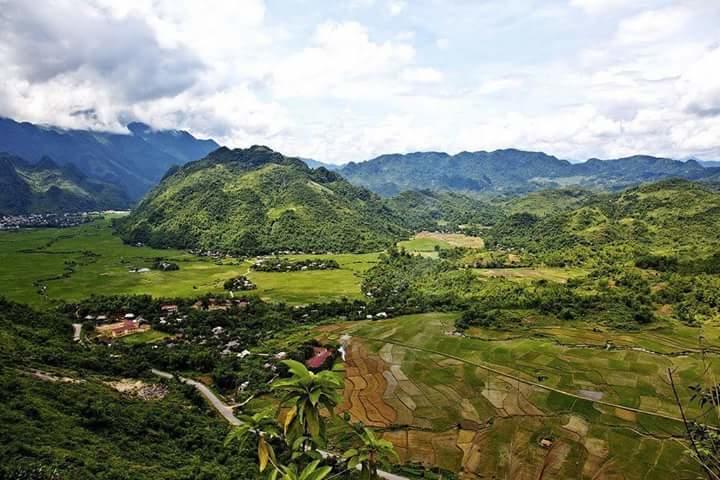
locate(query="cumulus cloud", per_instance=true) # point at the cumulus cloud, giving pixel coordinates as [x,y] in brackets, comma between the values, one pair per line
[653,25]
[347,81]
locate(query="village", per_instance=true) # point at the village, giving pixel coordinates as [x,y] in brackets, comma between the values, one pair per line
[53,220]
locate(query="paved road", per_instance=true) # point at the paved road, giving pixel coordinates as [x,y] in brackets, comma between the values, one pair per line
[218,404]
[228,414]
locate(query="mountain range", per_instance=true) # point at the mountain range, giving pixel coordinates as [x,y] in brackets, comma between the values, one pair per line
[512,171]
[254,201]
[135,161]
[46,187]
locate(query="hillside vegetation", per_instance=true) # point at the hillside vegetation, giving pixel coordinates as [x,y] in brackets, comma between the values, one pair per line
[671,219]
[258,201]
[46,187]
[512,171]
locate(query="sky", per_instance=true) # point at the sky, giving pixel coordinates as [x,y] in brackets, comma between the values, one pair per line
[347,80]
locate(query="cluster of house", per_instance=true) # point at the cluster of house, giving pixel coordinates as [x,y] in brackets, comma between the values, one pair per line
[14,222]
[125,325]
[280,264]
[208,253]
[170,314]
[220,304]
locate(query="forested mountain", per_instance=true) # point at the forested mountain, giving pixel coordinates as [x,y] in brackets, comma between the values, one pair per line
[259,201]
[46,187]
[511,171]
[438,210]
[672,219]
[135,161]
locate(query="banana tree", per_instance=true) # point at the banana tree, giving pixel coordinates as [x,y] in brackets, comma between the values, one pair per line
[312,471]
[262,427]
[372,454]
[307,394]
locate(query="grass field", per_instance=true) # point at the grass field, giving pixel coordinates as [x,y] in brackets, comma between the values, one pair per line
[76,262]
[151,336]
[447,400]
[429,241]
[560,275]
[317,285]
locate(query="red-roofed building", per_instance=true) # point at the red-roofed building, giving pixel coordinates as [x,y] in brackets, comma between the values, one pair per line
[320,354]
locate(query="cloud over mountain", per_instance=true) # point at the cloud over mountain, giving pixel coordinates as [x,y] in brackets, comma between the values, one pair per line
[347,81]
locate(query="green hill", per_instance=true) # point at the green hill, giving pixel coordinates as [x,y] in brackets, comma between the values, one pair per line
[46,187]
[675,218]
[545,202]
[512,171]
[438,210]
[258,201]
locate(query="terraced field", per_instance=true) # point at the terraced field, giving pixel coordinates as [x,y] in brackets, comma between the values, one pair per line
[607,412]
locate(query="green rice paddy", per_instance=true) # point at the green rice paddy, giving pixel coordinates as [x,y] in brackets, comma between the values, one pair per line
[74,263]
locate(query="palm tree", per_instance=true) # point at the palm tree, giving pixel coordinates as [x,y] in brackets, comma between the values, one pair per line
[261,426]
[307,393]
[372,454]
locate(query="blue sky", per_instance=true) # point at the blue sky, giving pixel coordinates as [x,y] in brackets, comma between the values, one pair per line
[348,80]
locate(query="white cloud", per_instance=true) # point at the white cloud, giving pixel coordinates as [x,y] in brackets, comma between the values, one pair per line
[601,6]
[700,85]
[349,81]
[653,25]
[395,7]
[342,60]
[422,75]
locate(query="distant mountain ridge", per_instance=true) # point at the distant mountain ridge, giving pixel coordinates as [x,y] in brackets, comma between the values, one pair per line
[46,187]
[135,161]
[512,171]
[256,201]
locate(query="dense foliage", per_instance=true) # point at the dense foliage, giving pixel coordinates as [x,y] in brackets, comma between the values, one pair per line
[444,211]
[46,187]
[280,264]
[69,424]
[257,201]
[667,225]
[511,171]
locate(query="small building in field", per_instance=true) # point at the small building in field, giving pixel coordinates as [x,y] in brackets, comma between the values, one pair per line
[121,329]
[169,309]
[320,354]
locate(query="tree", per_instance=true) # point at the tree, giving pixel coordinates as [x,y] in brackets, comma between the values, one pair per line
[372,454]
[311,472]
[307,393]
[261,426]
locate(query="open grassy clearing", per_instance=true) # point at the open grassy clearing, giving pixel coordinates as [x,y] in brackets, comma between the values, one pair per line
[94,261]
[151,336]
[315,285]
[426,242]
[448,400]
[532,273]
[77,262]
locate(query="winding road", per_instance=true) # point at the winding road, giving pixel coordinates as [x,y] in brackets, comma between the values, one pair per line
[227,412]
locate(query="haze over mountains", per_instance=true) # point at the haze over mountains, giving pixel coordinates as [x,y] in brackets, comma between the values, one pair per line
[135,161]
